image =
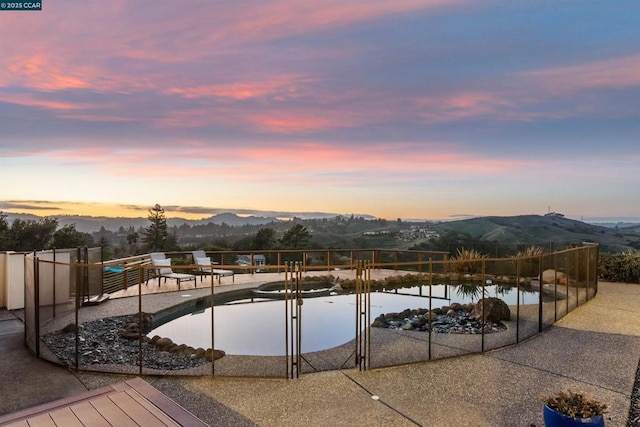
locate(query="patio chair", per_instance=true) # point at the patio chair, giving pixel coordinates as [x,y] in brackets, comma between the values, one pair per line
[164,270]
[204,264]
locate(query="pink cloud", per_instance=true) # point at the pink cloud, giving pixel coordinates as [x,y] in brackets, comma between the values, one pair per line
[462,105]
[281,85]
[291,122]
[44,72]
[611,73]
[30,100]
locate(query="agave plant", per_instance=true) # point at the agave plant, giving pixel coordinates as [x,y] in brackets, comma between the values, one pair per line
[469,290]
[467,261]
[529,266]
[531,251]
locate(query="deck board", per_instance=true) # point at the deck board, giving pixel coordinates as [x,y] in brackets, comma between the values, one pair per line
[88,415]
[42,420]
[138,413]
[131,403]
[65,417]
[158,414]
[114,415]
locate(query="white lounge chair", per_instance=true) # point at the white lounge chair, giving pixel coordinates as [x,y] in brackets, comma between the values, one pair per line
[164,270]
[204,264]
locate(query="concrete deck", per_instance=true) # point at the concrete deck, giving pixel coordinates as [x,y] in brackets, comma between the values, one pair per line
[594,349]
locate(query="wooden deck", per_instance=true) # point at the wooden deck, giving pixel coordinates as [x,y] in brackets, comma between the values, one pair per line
[131,403]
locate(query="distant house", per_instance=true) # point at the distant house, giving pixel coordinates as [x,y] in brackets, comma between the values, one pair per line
[245,260]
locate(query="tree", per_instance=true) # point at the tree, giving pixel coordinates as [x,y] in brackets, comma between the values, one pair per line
[154,236]
[132,241]
[297,237]
[69,237]
[31,235]
[264,240]
[5,238]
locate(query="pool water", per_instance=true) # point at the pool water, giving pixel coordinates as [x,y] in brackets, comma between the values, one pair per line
[257,327]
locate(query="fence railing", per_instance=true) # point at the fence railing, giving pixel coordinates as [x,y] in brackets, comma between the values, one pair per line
[321,309]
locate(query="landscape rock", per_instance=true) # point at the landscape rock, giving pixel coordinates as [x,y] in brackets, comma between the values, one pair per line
[163,343]
[550,276]
[70,328]
[491,310]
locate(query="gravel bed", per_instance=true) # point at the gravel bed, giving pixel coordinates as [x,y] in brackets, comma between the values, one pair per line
[100,343]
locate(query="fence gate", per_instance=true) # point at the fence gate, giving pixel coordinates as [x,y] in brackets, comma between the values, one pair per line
[345,356]
[363,314]
[293,318]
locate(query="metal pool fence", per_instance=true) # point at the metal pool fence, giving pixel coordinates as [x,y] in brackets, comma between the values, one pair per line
[93,315]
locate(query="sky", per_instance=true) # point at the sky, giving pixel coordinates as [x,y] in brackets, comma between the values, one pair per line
[433,109]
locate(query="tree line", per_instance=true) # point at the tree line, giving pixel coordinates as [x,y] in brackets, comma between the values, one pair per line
[31,235]
[42,234]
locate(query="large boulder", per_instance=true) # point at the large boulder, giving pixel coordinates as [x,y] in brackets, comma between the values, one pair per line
[491,310]
[550,276]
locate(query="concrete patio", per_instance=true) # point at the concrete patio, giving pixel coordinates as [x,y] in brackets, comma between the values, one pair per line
[594,349]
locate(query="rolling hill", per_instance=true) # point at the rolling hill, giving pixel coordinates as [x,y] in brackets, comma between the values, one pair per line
[540,230]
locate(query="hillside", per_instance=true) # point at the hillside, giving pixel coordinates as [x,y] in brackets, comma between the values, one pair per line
[492,234]
[540,230]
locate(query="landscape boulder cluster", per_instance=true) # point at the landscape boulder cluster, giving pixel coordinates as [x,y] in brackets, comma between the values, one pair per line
[473,318]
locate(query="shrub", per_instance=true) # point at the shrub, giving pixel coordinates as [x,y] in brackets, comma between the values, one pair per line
[623,267]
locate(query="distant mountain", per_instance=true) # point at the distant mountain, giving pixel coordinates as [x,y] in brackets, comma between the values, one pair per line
[89,224]
[228,218]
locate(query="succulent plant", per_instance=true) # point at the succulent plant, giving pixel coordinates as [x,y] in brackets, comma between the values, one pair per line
[468,261]
[573,404]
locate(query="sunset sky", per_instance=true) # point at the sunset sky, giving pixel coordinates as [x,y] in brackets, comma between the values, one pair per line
[429,109]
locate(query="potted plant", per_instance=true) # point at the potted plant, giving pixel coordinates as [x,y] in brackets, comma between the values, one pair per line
[572,409]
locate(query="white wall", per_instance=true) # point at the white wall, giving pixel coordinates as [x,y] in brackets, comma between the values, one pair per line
[12,277]
[14,280]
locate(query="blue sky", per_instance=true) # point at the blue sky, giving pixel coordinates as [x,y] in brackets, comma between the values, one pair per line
[412,109]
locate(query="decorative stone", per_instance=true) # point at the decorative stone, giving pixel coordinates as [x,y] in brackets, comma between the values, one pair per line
[431,316]
[70,328]
[163,343]
[491,310]
[380,322]
[550,276]
[212,355]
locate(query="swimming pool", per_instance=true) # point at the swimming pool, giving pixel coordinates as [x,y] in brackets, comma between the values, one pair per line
[257,326]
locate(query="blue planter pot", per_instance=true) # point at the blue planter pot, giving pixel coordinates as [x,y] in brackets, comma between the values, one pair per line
[554,418]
